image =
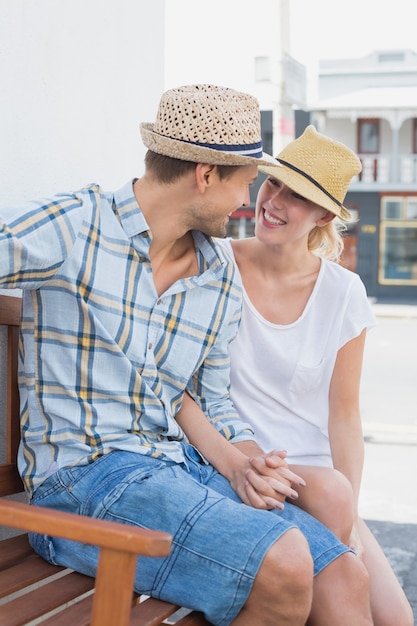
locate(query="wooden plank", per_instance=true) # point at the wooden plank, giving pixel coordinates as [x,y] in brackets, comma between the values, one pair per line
[10,481]
[32,570]
[10,310]
[14,550]
[151,612]
[114,580]
[77,614]
[42,600]
[193,619]
[86,530]
[13,400]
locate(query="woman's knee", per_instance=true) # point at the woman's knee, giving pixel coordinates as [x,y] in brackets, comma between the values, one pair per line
[338,493]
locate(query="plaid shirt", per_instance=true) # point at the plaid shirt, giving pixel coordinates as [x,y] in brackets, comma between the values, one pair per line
[104,359]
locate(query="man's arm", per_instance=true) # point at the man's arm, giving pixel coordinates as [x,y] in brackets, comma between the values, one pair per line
[37,237]
[257,483]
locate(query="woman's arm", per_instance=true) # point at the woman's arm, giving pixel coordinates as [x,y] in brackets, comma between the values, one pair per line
[345,427]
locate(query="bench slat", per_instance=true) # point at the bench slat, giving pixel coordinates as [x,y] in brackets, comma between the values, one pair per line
[151,612]
[75,615]
[42,600]
[14,550]
[30,571]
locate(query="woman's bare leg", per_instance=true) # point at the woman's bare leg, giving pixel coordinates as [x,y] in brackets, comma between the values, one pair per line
[341,594]
[388,601]
[328,496]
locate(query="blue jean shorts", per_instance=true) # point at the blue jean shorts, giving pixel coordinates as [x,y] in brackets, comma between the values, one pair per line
[218,542]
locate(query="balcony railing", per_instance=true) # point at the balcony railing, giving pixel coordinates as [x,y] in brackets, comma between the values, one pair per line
[387,169]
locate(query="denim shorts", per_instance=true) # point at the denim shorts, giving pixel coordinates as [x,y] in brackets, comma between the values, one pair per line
[218,542]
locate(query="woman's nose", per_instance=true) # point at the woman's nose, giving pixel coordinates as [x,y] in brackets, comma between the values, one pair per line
[277,196]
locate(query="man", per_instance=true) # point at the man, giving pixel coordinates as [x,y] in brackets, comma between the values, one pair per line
[128,302]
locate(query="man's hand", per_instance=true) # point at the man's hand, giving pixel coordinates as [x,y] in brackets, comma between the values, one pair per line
[270,479]
[263,480]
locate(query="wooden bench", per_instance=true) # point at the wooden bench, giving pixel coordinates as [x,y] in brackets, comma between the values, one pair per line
[32,589]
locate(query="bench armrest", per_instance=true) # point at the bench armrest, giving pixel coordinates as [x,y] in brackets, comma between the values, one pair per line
[119,546]
[101,533]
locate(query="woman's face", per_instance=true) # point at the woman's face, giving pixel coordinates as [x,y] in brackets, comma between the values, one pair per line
[284,215]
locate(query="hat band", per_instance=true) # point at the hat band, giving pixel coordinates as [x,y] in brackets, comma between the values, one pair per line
[312,180]
[253,150]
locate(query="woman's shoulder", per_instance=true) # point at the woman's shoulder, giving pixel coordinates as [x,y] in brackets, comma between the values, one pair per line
[340,274]
[238,249]
[348,284]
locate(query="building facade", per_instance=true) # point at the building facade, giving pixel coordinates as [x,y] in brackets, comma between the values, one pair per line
[370,104]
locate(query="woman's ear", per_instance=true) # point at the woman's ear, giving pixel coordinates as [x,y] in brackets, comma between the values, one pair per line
[326,218]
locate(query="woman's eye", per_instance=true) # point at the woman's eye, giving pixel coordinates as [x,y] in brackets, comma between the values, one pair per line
[297,195]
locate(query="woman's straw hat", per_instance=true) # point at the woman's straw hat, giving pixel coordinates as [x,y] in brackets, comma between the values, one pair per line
[319,169]
[207,124]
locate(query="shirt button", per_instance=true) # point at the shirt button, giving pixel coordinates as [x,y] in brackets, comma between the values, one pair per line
[149,346]
[159,301]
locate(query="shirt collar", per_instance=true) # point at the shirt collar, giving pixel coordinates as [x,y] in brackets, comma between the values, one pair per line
[133,221]
[125,205]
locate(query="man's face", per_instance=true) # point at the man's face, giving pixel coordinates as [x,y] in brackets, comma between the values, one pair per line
[221,199]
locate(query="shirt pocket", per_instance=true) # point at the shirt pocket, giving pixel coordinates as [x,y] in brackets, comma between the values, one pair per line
[306,378]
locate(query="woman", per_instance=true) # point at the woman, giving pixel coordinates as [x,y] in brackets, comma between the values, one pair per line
[296,361]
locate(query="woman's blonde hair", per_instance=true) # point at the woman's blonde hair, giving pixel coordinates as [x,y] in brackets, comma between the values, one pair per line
[327,241]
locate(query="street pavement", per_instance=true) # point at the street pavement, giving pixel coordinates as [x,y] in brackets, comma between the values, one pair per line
[388,500]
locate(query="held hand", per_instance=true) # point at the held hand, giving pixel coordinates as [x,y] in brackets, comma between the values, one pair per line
[259,490]
[275,459]
[269,477]
[261,496]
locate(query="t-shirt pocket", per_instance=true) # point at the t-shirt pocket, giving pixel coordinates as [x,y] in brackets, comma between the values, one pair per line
[306,378]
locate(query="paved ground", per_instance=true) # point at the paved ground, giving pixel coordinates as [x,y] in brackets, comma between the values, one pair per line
[390,509]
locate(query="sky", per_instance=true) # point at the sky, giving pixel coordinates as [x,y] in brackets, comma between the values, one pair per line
[334,29]
[213,41]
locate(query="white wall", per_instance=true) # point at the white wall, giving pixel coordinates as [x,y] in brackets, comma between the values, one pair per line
[219,43]
[76,79]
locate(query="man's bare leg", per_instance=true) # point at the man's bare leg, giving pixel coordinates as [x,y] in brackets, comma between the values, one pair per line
[283,587]
[341,594]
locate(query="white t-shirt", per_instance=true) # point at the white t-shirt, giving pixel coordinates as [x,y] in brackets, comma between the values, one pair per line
[280,374]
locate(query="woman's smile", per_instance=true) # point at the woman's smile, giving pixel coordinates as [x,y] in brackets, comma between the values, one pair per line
[271,219]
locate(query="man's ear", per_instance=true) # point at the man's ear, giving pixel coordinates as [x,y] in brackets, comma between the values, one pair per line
[204,175]
[325,219]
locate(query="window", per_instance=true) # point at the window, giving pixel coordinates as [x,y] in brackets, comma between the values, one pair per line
[414,147]
[368,136]
[398,241]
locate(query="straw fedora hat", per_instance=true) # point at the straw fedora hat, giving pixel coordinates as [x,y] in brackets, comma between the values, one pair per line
[319,169]
[207,124]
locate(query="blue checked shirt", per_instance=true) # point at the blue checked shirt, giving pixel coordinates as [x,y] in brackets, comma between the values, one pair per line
[104,359]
